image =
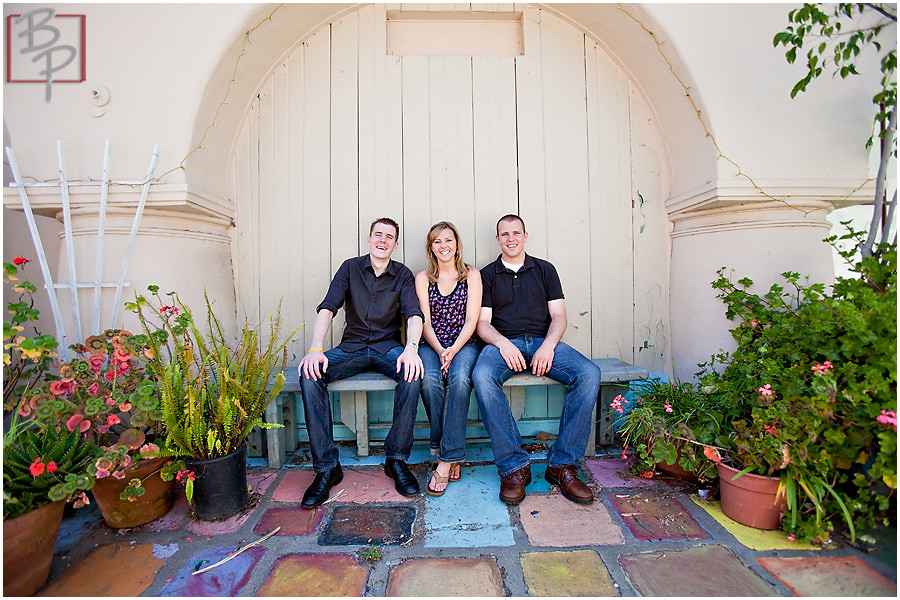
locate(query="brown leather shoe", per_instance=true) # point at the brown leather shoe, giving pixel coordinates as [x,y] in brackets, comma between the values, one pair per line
[566,477]
[512,487]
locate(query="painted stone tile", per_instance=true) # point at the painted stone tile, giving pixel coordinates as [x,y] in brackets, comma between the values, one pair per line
[118,569]
[554,521]
[370,485]
[655,516]
[447,577]
[293,521]
[575,573]
[310,575]
[360,525]
[706,570]
[829,576]
[450,521]
[227,579]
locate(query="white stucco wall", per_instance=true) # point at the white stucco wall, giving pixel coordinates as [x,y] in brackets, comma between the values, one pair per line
[168,67]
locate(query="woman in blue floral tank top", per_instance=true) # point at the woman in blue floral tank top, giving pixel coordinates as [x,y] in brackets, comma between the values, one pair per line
[449,294]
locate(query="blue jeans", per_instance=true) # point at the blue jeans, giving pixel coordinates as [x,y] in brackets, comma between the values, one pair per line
[571,368]
[446,400]
[317,405]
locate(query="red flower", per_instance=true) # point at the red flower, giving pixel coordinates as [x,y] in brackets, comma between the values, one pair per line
[37,467]
[770,429]
[51,466]
[712,454]
[20,260]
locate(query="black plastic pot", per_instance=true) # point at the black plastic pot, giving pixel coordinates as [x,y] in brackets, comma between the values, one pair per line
[220,484]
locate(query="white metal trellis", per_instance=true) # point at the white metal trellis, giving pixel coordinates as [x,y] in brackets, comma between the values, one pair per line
[73,285]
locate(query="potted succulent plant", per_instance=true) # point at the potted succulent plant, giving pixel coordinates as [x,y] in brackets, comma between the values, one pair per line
[213,393]
[43,468]
[108,395]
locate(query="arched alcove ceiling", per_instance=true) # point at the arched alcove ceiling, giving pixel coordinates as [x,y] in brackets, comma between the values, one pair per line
[691,155]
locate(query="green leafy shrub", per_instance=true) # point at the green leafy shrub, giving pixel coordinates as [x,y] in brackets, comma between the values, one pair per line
[818,371]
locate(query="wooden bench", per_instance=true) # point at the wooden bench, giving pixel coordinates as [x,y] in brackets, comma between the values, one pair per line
[353,397]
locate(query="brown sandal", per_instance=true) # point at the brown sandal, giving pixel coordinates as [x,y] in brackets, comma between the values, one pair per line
[454,466]
[438,479]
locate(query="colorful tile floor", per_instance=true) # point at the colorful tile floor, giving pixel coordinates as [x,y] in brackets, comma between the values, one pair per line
[640,537]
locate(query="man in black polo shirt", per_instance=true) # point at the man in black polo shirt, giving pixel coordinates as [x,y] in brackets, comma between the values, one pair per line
[523,318]
[377,294]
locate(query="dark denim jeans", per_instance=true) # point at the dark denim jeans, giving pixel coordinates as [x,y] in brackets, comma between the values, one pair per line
[446,400]
[571,368]
[317,405]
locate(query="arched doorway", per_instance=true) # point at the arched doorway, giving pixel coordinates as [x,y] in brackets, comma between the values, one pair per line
[344,131]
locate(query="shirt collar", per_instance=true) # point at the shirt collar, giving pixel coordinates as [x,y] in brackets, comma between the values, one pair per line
[391,267]
[499,268]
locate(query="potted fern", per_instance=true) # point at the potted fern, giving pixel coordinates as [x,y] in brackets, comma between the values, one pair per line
[212,394]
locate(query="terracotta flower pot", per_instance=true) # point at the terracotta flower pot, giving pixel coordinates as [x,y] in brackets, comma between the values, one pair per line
[156,501]
[751,499]
[28,543]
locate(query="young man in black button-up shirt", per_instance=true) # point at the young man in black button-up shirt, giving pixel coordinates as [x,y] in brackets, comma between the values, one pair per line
[377,294]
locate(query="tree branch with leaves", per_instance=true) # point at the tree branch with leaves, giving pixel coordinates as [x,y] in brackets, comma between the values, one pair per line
[835,36]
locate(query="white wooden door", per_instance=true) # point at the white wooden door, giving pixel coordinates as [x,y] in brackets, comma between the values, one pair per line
[343,132]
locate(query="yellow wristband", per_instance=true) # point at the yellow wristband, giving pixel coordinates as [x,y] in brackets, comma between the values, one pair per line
[314,350]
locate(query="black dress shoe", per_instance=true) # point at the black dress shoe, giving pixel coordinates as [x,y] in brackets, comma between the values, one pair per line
[404,481]
[318,490]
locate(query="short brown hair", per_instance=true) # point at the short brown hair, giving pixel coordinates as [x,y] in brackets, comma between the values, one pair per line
[385,221]
[510,217]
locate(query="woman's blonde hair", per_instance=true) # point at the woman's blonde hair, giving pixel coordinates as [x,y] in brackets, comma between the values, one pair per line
[461,268]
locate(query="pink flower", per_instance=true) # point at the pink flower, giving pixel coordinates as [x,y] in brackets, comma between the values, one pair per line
[74,422]
[94,389]
[792,538]
[149,448]
[825,367]
[37,467]
[110,402]
[101,474]
[625,453]
[96,361]
[102,428]
[120,474]
[124,366]
[668,407]
[81,500]
[122,355]
[888,417]
[62,388]
[766,390]
[78,422]
[112,420]
[770,429]
[616,404]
